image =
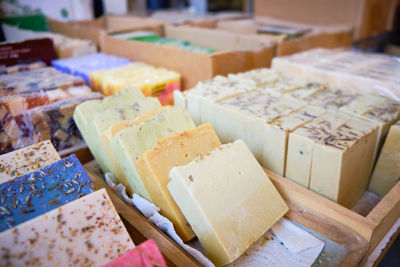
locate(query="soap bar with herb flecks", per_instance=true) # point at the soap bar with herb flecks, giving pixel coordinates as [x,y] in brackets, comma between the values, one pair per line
[26,160]
[85,232]
[33,194]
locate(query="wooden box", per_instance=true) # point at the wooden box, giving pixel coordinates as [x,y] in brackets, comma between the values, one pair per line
[317,36]
[358,234]
[368,17]
[235,53]
[94,29]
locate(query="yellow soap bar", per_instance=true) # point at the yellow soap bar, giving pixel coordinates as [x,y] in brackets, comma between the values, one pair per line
[176,150]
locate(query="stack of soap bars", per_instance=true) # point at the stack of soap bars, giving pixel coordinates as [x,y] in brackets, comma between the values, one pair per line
[320,137]
[109,74]
[50,215]
[36,104]
[218,193]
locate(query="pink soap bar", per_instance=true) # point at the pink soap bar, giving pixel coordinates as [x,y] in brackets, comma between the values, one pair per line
[146,254]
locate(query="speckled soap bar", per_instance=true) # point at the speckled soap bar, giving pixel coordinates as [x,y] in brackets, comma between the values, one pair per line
[26,160]
[33,194]
[85,232]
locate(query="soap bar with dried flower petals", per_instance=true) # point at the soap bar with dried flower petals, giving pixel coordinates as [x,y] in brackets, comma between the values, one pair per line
[38,192]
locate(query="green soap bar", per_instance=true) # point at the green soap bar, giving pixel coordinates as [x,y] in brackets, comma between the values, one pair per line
[106,118]
[130,143]
[84,113]
[138,36]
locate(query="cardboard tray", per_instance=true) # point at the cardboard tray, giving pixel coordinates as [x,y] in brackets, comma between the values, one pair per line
[318,36]
[368,17]
[303,210]
[93,29]
[235,53]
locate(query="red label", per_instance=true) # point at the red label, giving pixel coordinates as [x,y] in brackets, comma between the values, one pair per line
[30,50]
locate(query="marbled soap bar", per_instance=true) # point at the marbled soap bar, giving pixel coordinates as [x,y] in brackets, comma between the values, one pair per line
[26,160]
[85,232]
[146,254]
[33,194]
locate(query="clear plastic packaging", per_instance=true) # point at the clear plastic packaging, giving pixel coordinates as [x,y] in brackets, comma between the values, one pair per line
[53,121]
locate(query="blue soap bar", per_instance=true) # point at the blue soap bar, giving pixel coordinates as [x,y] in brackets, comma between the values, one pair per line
[82,66]
[38,192]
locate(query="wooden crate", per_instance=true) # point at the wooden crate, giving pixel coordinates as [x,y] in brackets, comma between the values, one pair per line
[302,211]
[372,227]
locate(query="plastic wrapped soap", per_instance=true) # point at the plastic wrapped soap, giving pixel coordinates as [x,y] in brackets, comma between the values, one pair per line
[84,232]
[22,67]
[38,192]
[52,122]
[37,80]
[26,160]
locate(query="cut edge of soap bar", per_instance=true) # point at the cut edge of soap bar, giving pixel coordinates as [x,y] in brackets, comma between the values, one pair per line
[183,188]
[156,180]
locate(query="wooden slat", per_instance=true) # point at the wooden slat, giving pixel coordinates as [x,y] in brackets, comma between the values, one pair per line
[308,199]
[384,215]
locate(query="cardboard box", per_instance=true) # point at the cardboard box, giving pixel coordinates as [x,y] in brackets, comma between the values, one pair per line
[235,53]
[187,18]
[368,17]
[93,29]
[316,36]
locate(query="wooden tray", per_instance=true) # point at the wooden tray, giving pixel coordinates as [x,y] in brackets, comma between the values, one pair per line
[372,227]
[302,211]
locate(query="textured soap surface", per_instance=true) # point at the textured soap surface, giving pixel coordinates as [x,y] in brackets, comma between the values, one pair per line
[26,160]
[33,194]
[130,143]
[175,150]
[84,232]
[228,200]
[146,254]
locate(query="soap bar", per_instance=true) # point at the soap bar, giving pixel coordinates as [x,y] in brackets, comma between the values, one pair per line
[26,160]
[342,162]
[130,143]
[109,117]
[84,232]
[150,80]
[262,76]
[355,72]
[88,110]
[50,187]
[300,144]
[248,117]
[228,200]
[212,91]
[146,254]
[22,67]
[53,121]
[387,170]
[82,66]
[36,80]
[175,150]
